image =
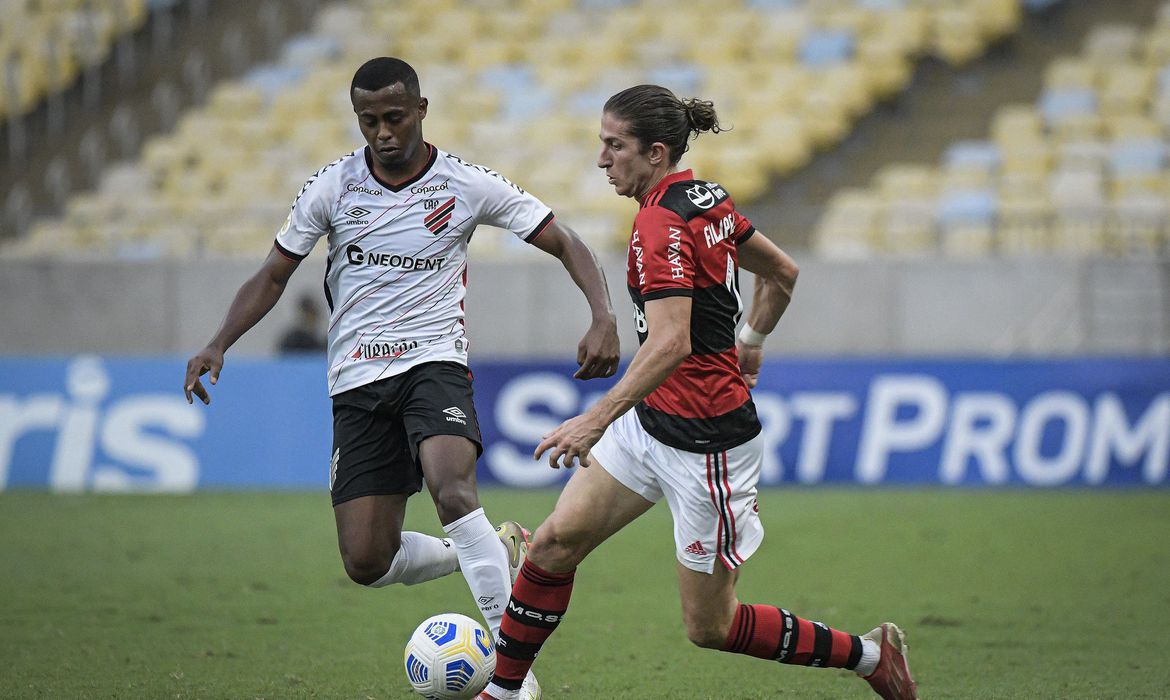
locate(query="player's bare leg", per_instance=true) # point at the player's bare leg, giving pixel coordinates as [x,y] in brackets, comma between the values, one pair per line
[591,508]
[368,532]
[375,550]
[715,619]
[448,465]
[708,604]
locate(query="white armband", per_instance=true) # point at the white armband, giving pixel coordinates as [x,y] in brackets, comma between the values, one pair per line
[750,336]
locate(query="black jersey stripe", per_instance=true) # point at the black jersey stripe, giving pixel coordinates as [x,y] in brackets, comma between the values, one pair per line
[544,223]
[295,257]
[671,292]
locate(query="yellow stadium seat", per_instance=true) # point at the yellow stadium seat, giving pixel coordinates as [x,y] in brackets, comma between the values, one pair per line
[900,181]
[1133,126]
[1127,89]
[1016,123]
[886,65]
[957,36]
[908,226]
[1023,226]
[848,228]
[1110,44]
[1070,72]
[998,18]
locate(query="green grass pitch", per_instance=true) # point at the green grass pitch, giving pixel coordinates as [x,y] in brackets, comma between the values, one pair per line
[1003,594]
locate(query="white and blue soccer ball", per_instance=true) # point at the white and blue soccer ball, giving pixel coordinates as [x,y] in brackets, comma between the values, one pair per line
[449,657]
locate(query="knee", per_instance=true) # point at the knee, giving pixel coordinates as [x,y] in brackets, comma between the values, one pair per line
[708,634]
[556,547]
[453,500]
[366,567]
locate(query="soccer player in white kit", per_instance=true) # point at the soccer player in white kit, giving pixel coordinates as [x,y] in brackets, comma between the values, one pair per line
[680,425]
[397,215]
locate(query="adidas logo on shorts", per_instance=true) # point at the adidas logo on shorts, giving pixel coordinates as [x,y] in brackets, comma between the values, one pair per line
[696,547]
[455,415]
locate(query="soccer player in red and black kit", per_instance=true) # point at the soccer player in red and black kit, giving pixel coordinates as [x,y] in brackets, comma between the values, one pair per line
[680,423]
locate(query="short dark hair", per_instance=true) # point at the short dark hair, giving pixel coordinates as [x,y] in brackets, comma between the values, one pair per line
[384,71]
[653,114]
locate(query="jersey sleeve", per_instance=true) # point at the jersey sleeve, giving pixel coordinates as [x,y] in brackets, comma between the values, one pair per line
[308,220]
[743,228]
[667,255]
[507,206]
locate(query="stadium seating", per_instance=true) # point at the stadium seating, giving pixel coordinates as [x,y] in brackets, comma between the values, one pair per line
[1085,170]
[46,44]
[517,85]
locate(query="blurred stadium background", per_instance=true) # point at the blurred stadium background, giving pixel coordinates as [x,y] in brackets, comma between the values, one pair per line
[977,191]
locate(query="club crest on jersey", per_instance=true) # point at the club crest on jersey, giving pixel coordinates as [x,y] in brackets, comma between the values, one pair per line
[439,217]
[700,196]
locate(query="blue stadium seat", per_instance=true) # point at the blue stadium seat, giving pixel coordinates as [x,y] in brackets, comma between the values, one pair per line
[1136,156]
[683,78]
[272,79]
[766,5]
[881,5]
[978,154]
[1059,104]
[509,78]
[826,47]
[968,206]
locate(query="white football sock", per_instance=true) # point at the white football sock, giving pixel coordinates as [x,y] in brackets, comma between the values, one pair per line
[483,559]
[500,693]
[420,558]
[871,652]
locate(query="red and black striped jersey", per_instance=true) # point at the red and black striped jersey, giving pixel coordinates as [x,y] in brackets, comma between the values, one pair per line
[684,243]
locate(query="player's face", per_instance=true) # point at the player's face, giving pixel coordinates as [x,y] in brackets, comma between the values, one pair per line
[391,120]
[626,163]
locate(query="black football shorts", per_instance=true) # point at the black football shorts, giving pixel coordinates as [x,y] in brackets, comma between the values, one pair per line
[377,428]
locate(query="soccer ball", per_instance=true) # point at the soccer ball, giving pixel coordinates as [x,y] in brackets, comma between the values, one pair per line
[449,657]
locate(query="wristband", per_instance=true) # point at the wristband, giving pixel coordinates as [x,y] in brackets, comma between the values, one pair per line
[750,336]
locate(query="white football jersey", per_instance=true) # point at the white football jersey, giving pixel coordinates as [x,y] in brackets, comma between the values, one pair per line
[396,273]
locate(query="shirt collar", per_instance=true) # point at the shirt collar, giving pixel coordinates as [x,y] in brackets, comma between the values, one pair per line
[680,176]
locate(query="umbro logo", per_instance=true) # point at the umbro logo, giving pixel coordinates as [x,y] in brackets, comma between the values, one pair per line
[355,215]
[696,547]
[487,602]
[456,415]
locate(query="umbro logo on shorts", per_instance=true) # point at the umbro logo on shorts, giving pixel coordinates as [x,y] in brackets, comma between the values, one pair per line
[456,415]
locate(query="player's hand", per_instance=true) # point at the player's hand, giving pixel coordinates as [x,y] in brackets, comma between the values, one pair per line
[598,352]
[571,441]
[208,359]
[750,359]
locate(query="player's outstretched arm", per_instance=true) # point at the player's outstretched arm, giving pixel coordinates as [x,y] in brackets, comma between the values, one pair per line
[598,352]
[668,343]
[256,298]
[776,274]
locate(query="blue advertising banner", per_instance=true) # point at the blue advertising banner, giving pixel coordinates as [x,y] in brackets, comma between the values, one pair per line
[122,424]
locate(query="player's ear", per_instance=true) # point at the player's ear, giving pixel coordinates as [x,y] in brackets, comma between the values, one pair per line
[658,153]
[422,107]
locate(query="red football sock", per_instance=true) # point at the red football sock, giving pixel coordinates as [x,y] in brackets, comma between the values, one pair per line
[538,604]
[767,632]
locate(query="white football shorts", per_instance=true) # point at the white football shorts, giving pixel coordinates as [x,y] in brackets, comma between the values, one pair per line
[712,497]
